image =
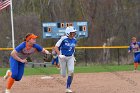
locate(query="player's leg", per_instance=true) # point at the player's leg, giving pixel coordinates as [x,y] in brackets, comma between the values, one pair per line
[57,63]
[136,59]
[70,65]
[14,71]
[20,71]
[53,61]
[7,75]
[135,65]
[62,67]
[135,62]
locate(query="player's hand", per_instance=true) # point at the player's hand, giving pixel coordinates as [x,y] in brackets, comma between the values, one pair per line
[47,52]
[23,61]
[129,51]
[61,56]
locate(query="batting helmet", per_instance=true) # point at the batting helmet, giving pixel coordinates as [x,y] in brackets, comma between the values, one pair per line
[69,29]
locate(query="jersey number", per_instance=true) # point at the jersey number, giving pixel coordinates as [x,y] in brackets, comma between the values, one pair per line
[70,49]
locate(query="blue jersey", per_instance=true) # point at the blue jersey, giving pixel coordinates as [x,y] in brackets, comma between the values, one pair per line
[134,47]
[23,52]
[67,45]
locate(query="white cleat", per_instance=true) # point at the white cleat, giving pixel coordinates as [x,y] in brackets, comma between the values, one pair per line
[6,75]
[7,91]
[68,91]
[58,68]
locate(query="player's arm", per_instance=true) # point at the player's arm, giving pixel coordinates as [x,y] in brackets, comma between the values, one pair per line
[56,48]
[57,45]
[129,49]
[45,51]
[41,49]
[58,52]
[14,54]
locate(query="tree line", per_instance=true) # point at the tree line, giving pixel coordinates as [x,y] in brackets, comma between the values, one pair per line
[110,22]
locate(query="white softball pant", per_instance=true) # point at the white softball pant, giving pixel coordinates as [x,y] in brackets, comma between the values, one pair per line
[67,63]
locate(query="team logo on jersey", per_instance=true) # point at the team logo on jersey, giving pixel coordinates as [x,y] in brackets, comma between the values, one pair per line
[66,41]
[68,44]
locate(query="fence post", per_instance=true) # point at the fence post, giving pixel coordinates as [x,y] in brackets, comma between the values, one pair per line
[86,58]
[118,56]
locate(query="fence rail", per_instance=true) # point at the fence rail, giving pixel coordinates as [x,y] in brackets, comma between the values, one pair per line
[84,55]
[85,47]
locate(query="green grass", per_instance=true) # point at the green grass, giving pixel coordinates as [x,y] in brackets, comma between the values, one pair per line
[103,68]
[78,69]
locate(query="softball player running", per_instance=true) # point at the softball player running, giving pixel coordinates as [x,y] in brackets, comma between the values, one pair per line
[135,48]
[18,59]
[66,54]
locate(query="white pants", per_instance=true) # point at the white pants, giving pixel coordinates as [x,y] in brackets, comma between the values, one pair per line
[67,63]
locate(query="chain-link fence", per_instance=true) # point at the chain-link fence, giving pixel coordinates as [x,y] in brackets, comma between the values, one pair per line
[115,56]
[84,56]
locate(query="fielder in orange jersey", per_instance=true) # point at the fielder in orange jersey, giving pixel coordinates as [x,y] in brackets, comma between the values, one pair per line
[135,48]
[18,59]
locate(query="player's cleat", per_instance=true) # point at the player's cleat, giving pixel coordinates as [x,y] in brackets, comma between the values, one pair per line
[7,74]
[58,68]
[68,91]
[7,91]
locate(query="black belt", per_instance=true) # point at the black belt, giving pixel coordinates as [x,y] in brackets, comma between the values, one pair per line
[68,55]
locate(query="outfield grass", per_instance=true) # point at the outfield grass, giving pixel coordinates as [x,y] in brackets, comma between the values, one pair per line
[78,69]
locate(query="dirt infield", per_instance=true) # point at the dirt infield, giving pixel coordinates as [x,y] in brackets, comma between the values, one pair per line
[108,82]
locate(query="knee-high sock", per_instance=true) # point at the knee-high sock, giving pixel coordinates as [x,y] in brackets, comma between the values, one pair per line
[136,66]
[69,81]
[10,82]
